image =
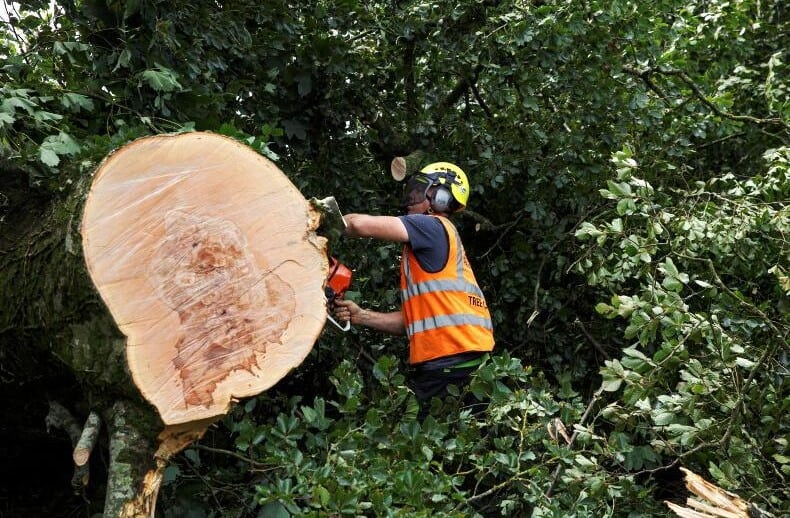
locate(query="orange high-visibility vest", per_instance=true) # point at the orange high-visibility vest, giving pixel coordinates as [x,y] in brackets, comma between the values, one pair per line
[445,313]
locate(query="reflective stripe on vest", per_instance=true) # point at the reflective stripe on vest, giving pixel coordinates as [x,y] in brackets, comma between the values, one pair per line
[444,311]
[448,320]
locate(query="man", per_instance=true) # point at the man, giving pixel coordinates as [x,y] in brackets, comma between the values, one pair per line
[443,312]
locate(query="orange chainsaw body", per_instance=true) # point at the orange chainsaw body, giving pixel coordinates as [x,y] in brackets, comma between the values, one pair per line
[338,280]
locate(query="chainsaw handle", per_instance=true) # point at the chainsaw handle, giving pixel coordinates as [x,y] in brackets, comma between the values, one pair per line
[342,328]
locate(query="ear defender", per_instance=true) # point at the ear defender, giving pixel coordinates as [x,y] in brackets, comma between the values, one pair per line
[441,199]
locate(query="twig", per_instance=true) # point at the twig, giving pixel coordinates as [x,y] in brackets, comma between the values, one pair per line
[508,227]
[591,338]
[233,454]
[556,476]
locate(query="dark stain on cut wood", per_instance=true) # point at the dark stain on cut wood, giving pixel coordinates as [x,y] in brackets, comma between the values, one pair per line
[230,307]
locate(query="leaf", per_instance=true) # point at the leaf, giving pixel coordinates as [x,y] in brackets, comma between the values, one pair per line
[678,429]
[161,79]
[581,460]
[587,230]
[171,473]
[123,60]
[55,146]
[672,284]
[273,510]
[663,418]
[744,362]
[45,116]
[6,119]
[612,384]
[427,452]
[22,101]
[321,494]
[310,415]
[48,156]
[75,102]
[620,190]
[295,128]
[669,268]
[603,309]
[305,85]
[193,455]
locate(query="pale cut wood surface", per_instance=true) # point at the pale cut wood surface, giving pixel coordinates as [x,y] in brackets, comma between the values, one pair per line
[206,256]
[717,503]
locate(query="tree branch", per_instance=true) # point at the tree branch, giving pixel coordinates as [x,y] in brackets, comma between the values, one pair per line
[480,100]
[644,75]
[697,92]
[60,417]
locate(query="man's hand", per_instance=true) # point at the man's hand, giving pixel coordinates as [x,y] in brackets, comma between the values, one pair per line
[392,323]
[346,310]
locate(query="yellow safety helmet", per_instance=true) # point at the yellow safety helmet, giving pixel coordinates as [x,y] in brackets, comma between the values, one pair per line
[453,179]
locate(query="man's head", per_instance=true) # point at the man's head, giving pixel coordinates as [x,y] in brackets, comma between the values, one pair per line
[440,187]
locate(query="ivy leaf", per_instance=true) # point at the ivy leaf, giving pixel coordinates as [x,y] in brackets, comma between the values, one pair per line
[295,128]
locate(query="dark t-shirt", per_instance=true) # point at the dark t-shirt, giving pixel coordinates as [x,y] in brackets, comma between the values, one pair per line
[428,240]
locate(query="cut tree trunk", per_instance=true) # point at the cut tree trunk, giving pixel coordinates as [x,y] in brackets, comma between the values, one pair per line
[206,256]
[713,501]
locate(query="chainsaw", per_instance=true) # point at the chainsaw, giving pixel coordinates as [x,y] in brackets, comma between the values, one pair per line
[337,282]
[338,279]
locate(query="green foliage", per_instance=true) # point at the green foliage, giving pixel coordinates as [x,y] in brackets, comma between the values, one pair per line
[695,280]
[348,456]
[628,223]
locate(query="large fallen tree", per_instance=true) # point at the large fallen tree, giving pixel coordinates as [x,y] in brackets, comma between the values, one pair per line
[206,257]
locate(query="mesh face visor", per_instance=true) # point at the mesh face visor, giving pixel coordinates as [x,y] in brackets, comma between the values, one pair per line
[414,190]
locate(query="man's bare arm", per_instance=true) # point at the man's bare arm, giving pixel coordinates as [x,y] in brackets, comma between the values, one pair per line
[391,322]
[388,228]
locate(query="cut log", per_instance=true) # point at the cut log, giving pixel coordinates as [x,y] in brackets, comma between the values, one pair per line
[87,440]
[403,166]
[60,417]
[206,256]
